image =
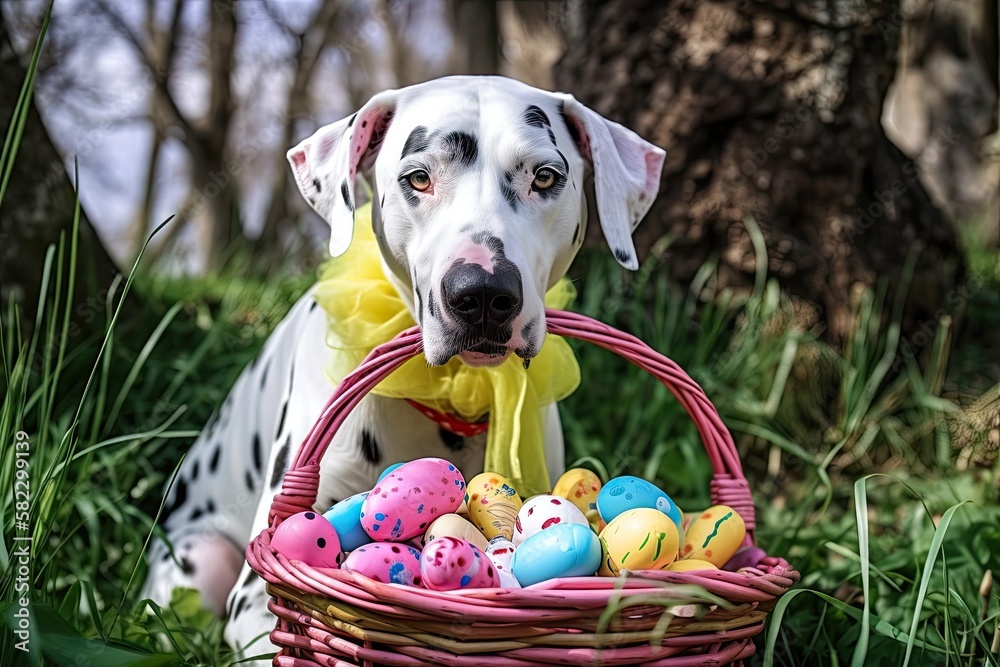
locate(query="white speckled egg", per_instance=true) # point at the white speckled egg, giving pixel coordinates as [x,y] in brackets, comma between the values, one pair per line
[542,512]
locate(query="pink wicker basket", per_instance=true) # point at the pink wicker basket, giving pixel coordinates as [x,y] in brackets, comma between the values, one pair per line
[332,617]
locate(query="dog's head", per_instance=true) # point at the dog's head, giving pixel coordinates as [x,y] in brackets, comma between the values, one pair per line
[480,190]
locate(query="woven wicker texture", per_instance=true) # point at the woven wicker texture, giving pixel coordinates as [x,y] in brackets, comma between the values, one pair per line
[669,619]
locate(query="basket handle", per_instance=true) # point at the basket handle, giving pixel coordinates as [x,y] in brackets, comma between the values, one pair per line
[728,487]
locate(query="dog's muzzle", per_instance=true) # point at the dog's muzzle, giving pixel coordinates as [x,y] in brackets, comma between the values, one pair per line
[484,303]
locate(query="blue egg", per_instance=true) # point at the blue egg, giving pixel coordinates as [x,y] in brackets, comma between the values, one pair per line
[628,493]
[389,470]
[346,519]
[565,550]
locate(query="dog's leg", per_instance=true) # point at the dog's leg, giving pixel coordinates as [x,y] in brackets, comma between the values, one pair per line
[218,489]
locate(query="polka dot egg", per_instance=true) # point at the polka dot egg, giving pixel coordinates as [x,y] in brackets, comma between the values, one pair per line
[408,499]
[542,512]
[387,563]
[307,537]
[450,563]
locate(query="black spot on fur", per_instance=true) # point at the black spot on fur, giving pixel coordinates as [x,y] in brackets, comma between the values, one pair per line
[462,147]
[281,463]
[430,303]
[369,447]
[417,142]
[257,452]
[345,192]
[213,463]
[509,194]
[552,136]
[196,514]
[351,122]
[195,470]
[420,306]
[576,234]
[210,507]
[263,373]
[180,493]
[535,117]
[249,480]
[528,329]
[186,566]
[317,185]
[312,306]
[281,419]
[621,255]
[452,441]
[251,575]
[240,606]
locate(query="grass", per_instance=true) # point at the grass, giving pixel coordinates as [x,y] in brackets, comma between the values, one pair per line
[871,471]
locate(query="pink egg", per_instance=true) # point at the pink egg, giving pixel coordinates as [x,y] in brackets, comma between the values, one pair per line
[386,562]
[307,537]
[449,563]
[407,500]
[543,512]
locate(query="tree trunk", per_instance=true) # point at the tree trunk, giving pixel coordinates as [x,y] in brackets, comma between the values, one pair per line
[771,110]
[37,208]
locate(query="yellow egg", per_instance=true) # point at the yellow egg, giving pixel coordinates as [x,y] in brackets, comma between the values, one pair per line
[452,525]
[579,486]
[493,504]
[494,515]
[639,539]
[491,484]
[714,535]
[690,564]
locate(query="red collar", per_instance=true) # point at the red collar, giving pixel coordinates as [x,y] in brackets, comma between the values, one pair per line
[450,423]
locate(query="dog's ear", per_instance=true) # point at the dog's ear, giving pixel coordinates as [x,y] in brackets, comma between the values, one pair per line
[626,174]
[326,164]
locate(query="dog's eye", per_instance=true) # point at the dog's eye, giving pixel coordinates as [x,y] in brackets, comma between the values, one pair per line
[419,180]
[544,178]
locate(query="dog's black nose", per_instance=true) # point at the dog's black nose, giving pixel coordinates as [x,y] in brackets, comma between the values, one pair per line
[477,297]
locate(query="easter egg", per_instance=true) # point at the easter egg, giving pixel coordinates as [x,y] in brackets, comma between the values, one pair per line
[452,525]
[345,517]
[409,498]
[565,550]
[501,551]
[714,535]
[449,563]
[580,486]
[543,512]
[309,538]
[628,493]
[388,563]
[389,469]
[638,539]
[493,504]
[690,564]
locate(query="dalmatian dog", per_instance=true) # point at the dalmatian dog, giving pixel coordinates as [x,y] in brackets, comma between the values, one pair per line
[481,192]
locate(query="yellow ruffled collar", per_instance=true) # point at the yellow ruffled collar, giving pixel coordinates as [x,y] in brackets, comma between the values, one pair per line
[365,310]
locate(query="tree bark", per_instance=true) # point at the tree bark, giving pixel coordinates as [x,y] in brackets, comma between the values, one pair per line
[37,209]
[771,110]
